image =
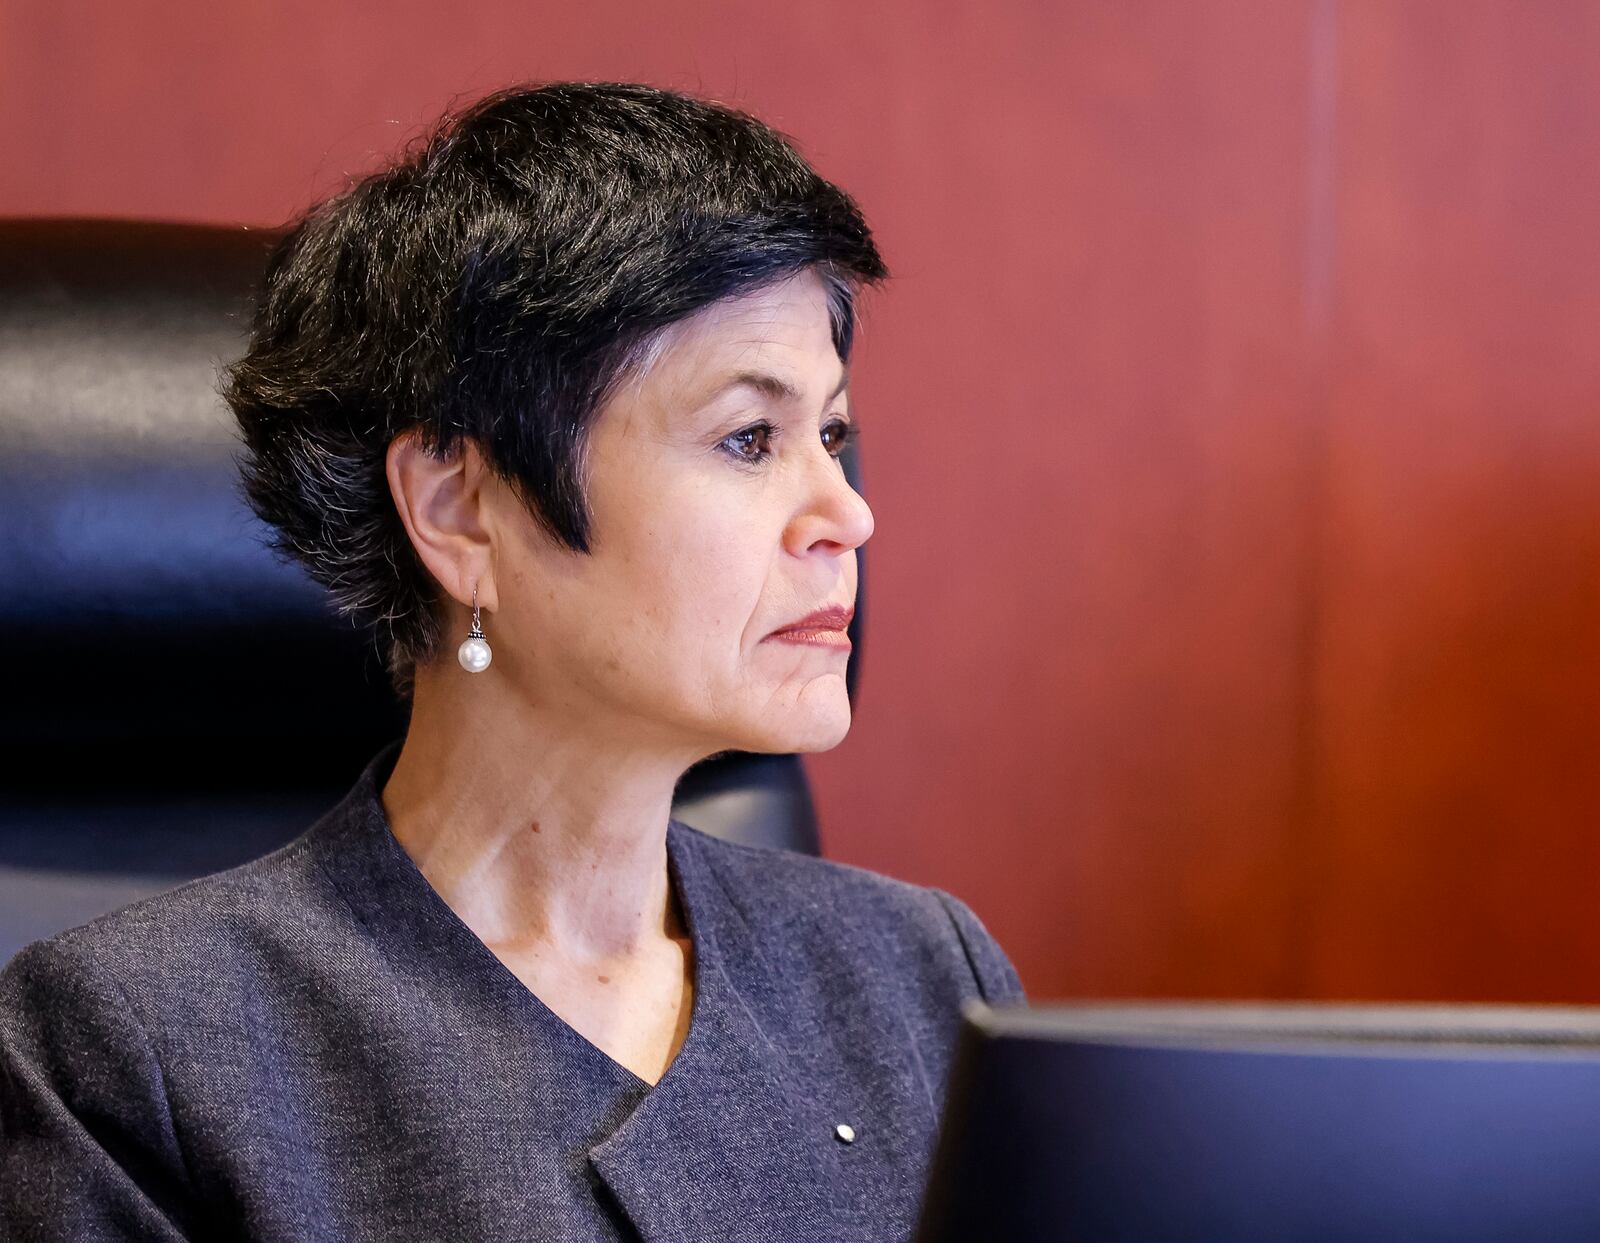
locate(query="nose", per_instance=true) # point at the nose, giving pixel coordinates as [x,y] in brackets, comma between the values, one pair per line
[831,512]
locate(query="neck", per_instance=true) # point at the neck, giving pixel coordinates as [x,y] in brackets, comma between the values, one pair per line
[539,831]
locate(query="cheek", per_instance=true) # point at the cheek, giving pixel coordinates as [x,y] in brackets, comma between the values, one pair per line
[693,582]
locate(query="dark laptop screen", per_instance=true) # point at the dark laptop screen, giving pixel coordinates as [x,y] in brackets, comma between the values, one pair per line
[1251,1122]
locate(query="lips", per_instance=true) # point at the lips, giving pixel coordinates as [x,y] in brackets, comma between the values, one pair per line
[834,617]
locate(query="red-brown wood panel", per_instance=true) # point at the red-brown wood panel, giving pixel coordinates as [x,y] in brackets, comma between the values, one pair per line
[1088,599]
[1458,646]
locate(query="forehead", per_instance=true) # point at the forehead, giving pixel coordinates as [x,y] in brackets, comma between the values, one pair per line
[777,340]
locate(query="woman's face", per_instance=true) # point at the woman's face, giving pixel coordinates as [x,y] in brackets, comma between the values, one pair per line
[720,514]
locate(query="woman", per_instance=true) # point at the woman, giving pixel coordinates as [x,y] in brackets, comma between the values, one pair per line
[554,405]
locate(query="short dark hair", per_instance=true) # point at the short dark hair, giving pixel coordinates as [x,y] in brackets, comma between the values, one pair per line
[499,281]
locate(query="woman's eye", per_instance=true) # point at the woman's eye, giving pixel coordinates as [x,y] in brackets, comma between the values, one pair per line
[843,432]
[759,436]
[754,444]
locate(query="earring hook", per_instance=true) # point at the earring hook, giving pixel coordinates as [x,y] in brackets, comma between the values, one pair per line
[474,652]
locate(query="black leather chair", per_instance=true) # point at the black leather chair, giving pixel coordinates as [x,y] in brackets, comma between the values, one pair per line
[165,670]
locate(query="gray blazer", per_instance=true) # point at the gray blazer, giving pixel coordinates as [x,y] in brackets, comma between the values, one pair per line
[314,1046]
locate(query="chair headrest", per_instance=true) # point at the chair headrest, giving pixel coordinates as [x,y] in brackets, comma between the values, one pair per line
[156,640]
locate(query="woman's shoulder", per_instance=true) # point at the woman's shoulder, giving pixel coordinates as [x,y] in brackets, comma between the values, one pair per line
[201,931]
[799,900]
[775,866]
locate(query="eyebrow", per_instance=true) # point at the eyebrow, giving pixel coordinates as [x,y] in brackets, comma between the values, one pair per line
[773,386]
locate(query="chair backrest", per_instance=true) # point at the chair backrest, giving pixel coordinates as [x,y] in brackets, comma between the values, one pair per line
[179,699]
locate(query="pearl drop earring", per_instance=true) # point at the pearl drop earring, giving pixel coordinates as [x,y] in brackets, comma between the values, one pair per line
[474,653]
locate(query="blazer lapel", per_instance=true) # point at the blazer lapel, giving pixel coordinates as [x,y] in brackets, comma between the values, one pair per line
[729,1140]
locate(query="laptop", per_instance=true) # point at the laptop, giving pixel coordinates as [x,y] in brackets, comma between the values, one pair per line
[1243,1122]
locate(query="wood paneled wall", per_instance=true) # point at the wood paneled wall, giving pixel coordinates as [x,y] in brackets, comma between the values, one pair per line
[1232,426]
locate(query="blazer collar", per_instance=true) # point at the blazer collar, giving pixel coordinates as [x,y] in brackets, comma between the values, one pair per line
[733,1108]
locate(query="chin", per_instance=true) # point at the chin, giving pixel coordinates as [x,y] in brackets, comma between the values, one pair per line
[821,741]
[803,732]
[772,722]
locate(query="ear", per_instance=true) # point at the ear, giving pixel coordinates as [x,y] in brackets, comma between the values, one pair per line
[443,503]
